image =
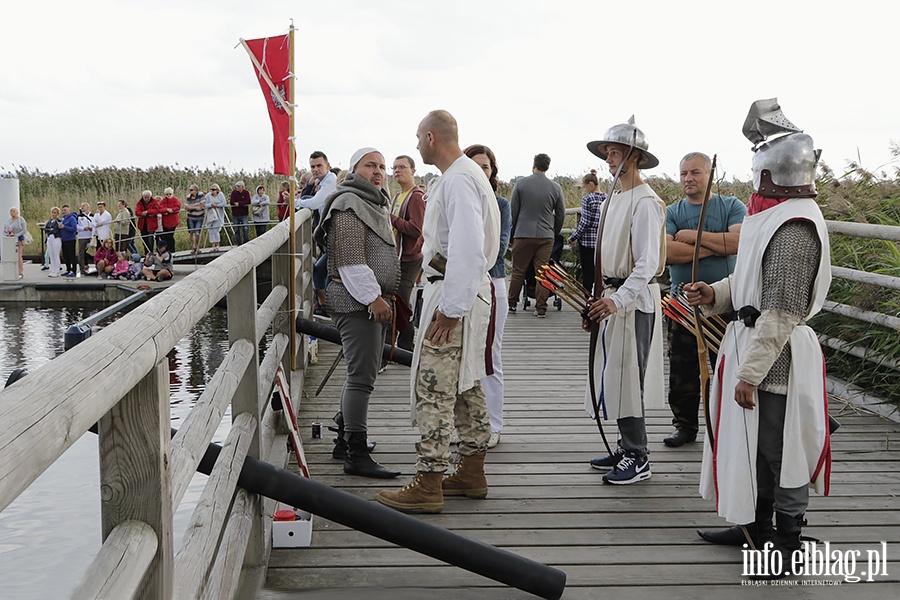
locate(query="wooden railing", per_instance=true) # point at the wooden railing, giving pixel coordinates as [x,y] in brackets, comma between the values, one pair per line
[119,379]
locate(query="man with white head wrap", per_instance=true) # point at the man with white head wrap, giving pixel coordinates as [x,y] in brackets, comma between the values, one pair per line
[365,274]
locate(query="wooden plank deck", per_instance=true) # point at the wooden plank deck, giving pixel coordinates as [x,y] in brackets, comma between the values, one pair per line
[546,503]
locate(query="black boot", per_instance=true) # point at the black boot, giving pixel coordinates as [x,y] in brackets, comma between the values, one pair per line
[760,530]
[787,534]
[358,461]
[339,452]
[787,540]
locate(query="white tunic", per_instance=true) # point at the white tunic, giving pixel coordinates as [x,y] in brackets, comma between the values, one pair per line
[729,470]
[462,223]
[636,257]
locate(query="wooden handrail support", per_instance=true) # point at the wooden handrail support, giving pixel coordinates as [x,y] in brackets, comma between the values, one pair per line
[119,378]
[207,521]
[121,563]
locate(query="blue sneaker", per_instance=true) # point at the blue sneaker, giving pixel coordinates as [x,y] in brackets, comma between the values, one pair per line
[604,463]
[630,469]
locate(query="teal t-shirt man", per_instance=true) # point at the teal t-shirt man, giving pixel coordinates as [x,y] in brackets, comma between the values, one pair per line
[718,254]
[724,212]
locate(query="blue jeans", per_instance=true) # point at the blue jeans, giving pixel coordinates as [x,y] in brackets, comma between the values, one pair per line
[241,230]
[320,272]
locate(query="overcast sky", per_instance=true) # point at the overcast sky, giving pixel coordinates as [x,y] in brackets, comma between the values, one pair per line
[128,83]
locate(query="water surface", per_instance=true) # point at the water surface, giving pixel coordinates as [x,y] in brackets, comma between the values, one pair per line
[51,533]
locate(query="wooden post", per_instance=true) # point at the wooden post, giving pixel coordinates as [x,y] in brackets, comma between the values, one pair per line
[285,319]
[292,161]
[242,325]
[134,471]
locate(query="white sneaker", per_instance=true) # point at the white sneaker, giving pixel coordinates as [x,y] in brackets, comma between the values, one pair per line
[494,439]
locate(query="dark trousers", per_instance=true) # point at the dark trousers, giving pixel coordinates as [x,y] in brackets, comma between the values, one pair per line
[69,255]
[320,272]
[790,501]
[587,266]
[361,339]
[83,259]
[684,377]
[633,430]
[169,236]
[149,240]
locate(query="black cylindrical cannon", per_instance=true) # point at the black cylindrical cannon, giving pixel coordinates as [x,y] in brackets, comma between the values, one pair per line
[331,334]
[392,526]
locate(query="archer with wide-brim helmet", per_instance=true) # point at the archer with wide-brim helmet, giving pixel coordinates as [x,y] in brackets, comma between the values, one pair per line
[625,361]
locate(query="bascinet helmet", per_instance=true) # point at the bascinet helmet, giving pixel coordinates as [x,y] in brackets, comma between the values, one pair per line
[626,134]
[783,166]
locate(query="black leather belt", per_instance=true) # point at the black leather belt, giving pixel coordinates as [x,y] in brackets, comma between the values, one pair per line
[617,282]
[434,278]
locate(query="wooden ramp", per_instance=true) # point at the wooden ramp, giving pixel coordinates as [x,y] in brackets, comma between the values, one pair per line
[546,503]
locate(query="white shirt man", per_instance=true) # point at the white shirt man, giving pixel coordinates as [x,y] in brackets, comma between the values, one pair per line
[102,222]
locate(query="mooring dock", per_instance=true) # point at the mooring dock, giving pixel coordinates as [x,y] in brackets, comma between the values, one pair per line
[546,503]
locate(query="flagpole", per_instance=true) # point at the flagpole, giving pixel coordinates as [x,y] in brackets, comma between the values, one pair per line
[292,161]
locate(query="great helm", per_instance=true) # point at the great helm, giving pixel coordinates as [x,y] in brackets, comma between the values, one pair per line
[783,166]
[626,134]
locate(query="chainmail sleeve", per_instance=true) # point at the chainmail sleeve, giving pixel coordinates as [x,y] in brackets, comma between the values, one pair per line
[789,269]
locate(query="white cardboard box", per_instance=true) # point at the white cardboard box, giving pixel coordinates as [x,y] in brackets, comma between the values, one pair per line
[292,534]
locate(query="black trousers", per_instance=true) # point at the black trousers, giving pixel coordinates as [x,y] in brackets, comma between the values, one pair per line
[684,377]
[70,256]
[587,266]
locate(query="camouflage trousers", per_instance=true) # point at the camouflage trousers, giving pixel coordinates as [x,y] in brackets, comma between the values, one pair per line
[439,407]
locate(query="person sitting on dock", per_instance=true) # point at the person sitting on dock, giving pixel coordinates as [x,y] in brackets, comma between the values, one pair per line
[158,265]
[364,271]
[120,270]
[105,258]
[136,268]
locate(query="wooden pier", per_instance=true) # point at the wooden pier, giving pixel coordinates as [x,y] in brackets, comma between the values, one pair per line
[546,503]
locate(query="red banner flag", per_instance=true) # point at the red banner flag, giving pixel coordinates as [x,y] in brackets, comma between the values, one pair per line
[271,60]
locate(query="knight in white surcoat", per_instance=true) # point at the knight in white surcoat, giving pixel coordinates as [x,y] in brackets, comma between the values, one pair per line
[768,403]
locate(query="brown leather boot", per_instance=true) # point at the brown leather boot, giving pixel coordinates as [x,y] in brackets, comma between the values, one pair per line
[422,494]
[468,480]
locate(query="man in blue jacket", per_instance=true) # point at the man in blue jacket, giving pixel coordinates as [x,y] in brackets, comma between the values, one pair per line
[68,232]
